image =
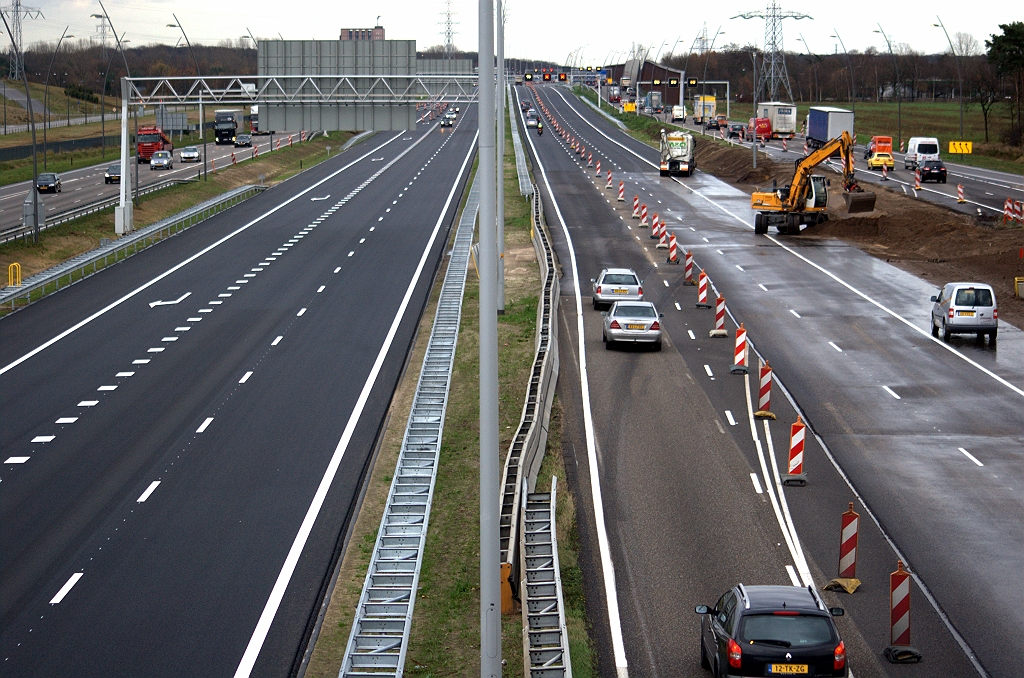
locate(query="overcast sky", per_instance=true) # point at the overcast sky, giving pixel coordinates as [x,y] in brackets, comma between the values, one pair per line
[543,30]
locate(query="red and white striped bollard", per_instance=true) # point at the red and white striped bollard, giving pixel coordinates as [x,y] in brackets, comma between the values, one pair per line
[917,179]
[622,191]
[885,172]
[662,238]
[643,216]
[608,184]
[784,148]
[688,269]
[702,291]
[739,356]
[719,330]
[597,172]
[795,469]
[764,393]
[900,651]
[636,207]
[960,194]
[655,226]
[673,249]
[848,535]
[590,159]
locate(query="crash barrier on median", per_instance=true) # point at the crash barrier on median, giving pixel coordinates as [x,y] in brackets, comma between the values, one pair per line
[84,265]
[525,185]
[900,650]
[545,637]
[795,467]
[527,449]
[379,638]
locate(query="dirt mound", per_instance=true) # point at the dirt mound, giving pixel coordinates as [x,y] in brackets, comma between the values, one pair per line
[732,164]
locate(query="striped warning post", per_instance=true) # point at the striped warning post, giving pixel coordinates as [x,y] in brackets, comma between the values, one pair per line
[622,191]
[590,160]
[655,226]
[702,291]
[608,184]
[719,330]
[643,216]
[739,357]
[278,143]
[597,173]
[302,135]
[806,150]
[688,269]
[673,249]
[784,148]
[795,469]
[885,172]
[290,137]
[233,161]
[662,238]
[848,544]
[636,206]
[901,146]
[960,194]
[764,393]
[1018,210]
[917,179]
[1007,210]
[899,650]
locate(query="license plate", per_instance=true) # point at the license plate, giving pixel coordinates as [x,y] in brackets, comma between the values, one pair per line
[620,290]
[966,314]
[787,669]
[636,327]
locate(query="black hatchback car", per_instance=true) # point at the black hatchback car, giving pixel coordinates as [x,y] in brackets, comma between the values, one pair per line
[737,130]
[933,170]
[771,631]
[48,181]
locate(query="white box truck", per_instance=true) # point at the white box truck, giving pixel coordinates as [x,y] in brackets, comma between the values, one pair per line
[782,117]
[704,108]
[825,123]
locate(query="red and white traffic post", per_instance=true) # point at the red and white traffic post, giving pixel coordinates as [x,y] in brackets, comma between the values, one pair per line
[702,290]
[739,359]
[662,238]
[622,191]
[636,206]
[688,269]
[673,249]
[764,394]
[917,178]
[795,468]
[233,161]
[597,172]
[643,216]
[655,226]
[784,148]
[719,330]
[960,194]
[848,535]
[590,159]
[899,650]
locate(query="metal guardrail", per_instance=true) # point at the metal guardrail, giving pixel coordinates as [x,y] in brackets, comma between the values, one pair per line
[68,273]
[527,449]
[380,632]
[545,639]
[525,185]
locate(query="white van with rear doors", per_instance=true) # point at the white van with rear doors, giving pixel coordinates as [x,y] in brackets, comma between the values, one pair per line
[919,150]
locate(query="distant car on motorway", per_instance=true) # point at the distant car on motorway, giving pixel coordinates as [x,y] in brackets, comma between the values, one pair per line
[48,182]
[679,113]
[737,130]
[532,119]
[161,160]
[189,154]
[933,170]
[617,284]
[632,322]
[965,308]
[878,160]
[113,174]
[769,631]
[243,140]
[451,115]
[711,124]
[446,121]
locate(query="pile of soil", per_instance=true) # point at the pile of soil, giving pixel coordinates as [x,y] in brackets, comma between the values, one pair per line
[925,239]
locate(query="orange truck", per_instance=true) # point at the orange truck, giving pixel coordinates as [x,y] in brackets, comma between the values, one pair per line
[878,145]
[759,128]
[149,141]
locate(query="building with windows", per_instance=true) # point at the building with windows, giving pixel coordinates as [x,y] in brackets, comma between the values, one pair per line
[375,33]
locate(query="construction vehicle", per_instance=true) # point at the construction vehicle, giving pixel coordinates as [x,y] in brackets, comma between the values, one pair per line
[804,200]
[677,153]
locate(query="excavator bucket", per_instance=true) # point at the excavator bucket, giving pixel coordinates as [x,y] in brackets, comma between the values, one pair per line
[859,201]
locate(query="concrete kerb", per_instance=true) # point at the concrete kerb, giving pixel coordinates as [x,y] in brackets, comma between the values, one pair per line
[356,139]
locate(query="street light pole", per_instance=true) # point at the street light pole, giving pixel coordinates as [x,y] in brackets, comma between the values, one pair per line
[703,81]
[849,67]
[500,26]
[46,92]
[33,191]
[899,88]
[959,73]
[202,117]
[814,67]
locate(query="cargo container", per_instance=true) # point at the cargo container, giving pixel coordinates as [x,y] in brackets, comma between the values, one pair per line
[782,117]
[825,123]
[704,107]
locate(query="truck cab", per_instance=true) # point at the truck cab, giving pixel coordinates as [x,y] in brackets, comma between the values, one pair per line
[149,141]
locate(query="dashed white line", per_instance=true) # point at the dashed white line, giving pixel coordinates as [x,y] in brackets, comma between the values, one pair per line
[678,307]
[43,439]
[730,418]
[757,483]
[277,341]
[67,420]
[149,490]
[224,295]
[88,403]
[762,287]
[351,253]
[322,288]
[891,392]
[202,427]
[970,456]
[155,350]
[106,388]
[692,336]
[124,374]
[795,313]
[337,269]
[141,361]
[833,345]
[16,460]
[215,303]
[666,282]
[183,328]
[64,590]
[301,311]
[192,320]
[169,339]
[245,377]
[707,368]
[739,267]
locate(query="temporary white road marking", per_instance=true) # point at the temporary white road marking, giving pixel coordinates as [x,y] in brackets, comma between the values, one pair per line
[202,427]
[966,454]
[149,490]
[792,575]
[707,368]
[757,483]
[833,345]
[183,328]
[762,287]
[891,392]
[154,304]
[64,590]
[16,460]
[337,269]
[729,418]
[301,311]
[678,307]
[739,267]
[158,349]
[125,374]
[795,313]
[169,339]
[692,336]
[107,388]
[193,320]
[67,420]
[245,377]
[266,619]
[277,341]
[322,288]
[43,439]
[351,253]
[141,361]
[88,403]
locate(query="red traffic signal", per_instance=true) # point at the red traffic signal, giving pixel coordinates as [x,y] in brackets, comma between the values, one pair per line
[547,77]
[561,77]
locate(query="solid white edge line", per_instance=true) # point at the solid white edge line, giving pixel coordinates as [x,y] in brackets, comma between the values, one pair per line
[805,571]
[204,425]
[259,634]
[757,483]
[149,490]
[607,565]
[186,262]
[792,575]
[64,590]
[970,456]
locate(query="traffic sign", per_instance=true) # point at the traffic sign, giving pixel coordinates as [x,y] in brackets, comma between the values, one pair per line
[673,82]
[656,82]
[961,147]
[628,107]
[692,82]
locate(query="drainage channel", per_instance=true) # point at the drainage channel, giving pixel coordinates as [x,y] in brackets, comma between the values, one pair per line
[380,634]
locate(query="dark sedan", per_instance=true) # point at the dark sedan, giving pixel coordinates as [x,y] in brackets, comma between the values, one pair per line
[48,182]
[737,131]
[113,174]
[933,170]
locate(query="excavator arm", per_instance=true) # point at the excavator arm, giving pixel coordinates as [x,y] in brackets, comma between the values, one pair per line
[801,177]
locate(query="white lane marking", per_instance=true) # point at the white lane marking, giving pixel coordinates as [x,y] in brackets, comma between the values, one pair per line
[149,490]
[224,295]
[351,253]
[794,313]
[678,307]
[67,420]
[183,328]
[762,287]
[706,240]
[64,590]
[337,269]
[690,332]
[796,549]
[259,635]
[154,304]
[154,350]
[106,388]
[16,460]
[372,229]
[792,575]
[43,439]
[169,339]
[321,289]
[730,418]
[891,392]
[202,427]
[245,377]
[965,452]
[277,341]
[141,361]
[124,374]
[192,320]
[666,282]
[301,311]
[833,345]
[215,303]
[739,267]
[189,260]
[604,547]
[757,483]
[249,275]
[88,403]
[707,368]
[720,252]
[362,240]
[206,310]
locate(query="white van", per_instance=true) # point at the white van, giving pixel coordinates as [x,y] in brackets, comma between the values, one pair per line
[920,149]
[679,113]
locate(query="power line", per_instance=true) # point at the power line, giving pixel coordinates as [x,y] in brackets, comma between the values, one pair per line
[15,11]
[774,75]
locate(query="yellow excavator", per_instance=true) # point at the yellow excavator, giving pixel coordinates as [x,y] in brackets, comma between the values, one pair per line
[804,200]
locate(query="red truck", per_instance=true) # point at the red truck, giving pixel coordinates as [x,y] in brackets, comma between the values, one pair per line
[149,141]
[759,128]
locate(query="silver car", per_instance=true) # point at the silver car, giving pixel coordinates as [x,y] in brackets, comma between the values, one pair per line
[161,160]
[532,119]
[633,322]
[965,308]
[617,284]
[189,154]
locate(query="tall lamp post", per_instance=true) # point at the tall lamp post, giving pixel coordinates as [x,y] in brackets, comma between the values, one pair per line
[123,213]
[103,106]
[500,181]
[899,88]
[32,125]
[814,67]
[959,73]
[849,67]
[202,116]
[703,80]
[46,92]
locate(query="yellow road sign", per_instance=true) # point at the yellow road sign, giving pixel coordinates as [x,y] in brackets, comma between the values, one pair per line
[628,107]
[961,146]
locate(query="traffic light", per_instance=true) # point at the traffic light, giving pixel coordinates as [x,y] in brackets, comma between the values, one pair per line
[561,77]
[547,77]
[673,82]
[656,82]
[692,82]
[590,68]
[528,77]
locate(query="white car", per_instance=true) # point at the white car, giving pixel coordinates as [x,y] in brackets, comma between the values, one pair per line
[161,160]
[189,154]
